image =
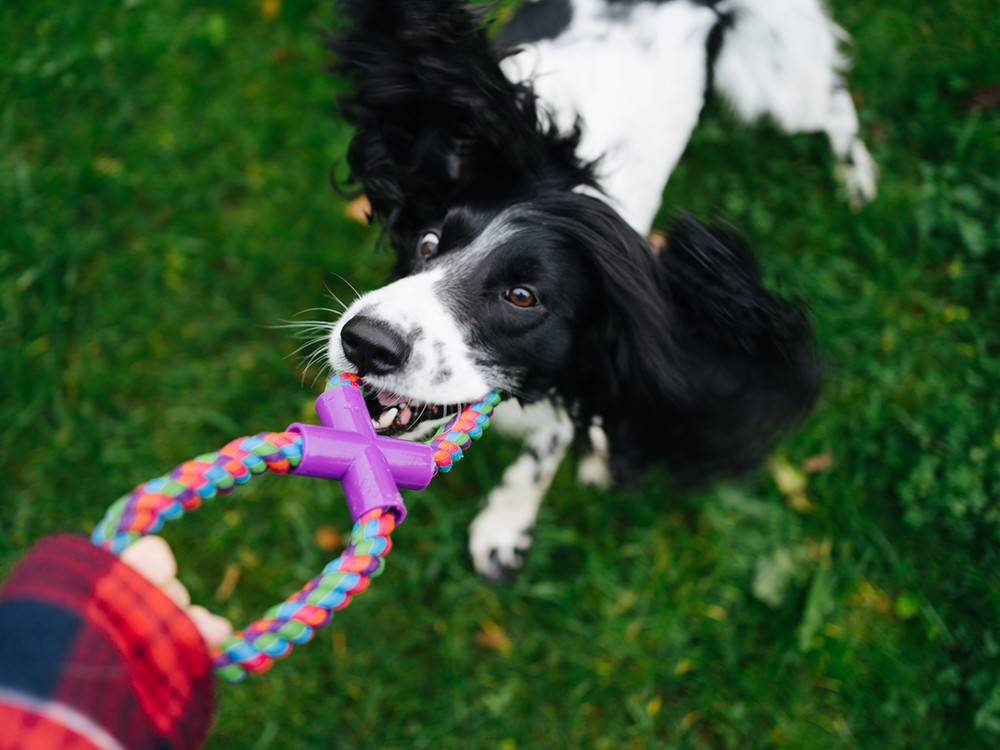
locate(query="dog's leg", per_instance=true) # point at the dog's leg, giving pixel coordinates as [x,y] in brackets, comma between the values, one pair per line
[857,171]
[780,58]
[595,468]
[501,533]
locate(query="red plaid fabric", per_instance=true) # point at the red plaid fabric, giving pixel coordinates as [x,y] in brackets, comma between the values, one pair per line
[88,645]
[24,729]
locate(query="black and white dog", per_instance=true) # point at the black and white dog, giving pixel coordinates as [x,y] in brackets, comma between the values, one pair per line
[517,191]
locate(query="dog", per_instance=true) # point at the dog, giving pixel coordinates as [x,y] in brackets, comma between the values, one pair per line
[517,178]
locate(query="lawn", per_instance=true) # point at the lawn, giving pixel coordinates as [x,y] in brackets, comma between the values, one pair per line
[164,208]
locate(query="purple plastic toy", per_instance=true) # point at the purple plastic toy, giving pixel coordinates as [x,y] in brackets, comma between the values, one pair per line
[371,467]
[345,447]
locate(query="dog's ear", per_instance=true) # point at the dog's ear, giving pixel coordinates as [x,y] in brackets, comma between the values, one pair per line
[436,118]
[707,376]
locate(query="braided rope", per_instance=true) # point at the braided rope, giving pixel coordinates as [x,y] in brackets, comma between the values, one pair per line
[450,442]
[144,509]
[254,649]
[346,378]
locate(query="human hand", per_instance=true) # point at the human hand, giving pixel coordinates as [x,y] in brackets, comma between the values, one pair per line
[152,558]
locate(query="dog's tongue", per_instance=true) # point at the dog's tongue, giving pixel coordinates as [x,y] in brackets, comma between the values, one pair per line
[389,399]
[393,415]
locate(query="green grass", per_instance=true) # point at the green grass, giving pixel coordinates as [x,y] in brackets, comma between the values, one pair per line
[163,194]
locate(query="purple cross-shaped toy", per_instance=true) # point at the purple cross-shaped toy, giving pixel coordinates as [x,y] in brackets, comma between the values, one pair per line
[371,467]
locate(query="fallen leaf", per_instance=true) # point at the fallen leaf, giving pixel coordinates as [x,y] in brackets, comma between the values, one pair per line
[327,538]
[282,54]
[716,612]
[270,8]
[985,97]
[229,580]
[819,462]
[492,636]
[791,483]
[359,210]
[653,707]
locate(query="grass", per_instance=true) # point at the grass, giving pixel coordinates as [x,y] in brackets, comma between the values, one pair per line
[163,188]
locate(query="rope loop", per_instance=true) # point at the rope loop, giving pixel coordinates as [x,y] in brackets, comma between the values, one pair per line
[293,621]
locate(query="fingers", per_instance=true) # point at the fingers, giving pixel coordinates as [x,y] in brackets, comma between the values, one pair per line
[152,558]
[177,593]
[213,628]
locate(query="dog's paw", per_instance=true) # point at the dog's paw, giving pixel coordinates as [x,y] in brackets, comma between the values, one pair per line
[858,175]
[593,471]
[499,538]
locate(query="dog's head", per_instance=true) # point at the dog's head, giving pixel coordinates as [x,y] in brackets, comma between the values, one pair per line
[509,278]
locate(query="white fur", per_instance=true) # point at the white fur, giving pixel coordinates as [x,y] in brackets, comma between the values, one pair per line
[594,469]
[442,368]
[782,60]
[637,78]
[638,83]
[501,533]
[412,304]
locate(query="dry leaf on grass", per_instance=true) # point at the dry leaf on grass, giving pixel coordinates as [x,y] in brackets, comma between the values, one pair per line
[492,636]
[791,483]
[327,538]
[819,462]
[359,210]
[229,580]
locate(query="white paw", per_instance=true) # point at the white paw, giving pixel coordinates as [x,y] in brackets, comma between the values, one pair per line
[500,535]
[594,469]
[858,175]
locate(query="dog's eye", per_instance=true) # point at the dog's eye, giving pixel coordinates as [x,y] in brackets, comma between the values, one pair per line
[428,244]
[521,297]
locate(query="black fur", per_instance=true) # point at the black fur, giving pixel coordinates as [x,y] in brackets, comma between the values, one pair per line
[703,367]
[687,358]
[435,115]
[713,46]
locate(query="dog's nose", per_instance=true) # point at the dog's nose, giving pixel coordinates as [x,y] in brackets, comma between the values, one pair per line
[373,346]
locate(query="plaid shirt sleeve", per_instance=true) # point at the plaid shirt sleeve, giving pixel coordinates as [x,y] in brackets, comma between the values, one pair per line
[94,656]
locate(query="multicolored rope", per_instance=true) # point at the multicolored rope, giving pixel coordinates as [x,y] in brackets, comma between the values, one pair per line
[255,648]
[145,508]
[455,437]
[338,379]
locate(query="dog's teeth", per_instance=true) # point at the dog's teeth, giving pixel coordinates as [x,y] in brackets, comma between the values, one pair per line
[374,423]
[387,417]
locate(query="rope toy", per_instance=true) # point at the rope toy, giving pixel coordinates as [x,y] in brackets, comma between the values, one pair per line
[343,446]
